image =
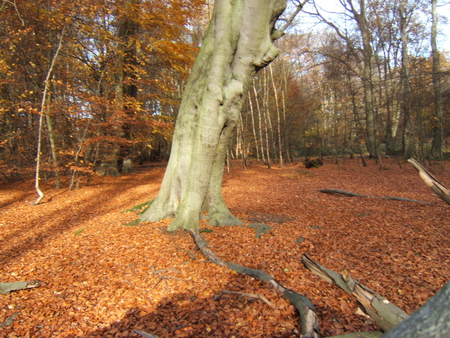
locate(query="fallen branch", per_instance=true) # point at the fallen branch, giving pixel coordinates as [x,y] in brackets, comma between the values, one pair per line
[6,288]
[438,188]
[308,315]
[10,320]
[385,314]
[145,334]
[352,194]
[161,277]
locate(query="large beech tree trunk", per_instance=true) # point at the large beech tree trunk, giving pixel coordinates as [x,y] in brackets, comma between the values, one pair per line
[237,44]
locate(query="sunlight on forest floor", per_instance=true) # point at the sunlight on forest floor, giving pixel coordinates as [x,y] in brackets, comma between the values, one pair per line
[103,279]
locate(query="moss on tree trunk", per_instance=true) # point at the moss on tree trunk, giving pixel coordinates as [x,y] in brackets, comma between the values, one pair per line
[238,43]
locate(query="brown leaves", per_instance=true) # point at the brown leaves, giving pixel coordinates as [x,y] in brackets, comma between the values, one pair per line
[102,280]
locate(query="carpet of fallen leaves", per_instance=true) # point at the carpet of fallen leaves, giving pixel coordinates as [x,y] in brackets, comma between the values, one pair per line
[103,279]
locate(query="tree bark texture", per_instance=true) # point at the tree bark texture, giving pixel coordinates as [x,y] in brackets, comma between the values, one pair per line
[385,314]
[238,43]
[366,76]
[436,150]
[431,321]
[437,187]
[408,135]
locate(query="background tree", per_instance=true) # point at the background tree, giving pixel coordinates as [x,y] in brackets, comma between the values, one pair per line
[436,150]
[112,88]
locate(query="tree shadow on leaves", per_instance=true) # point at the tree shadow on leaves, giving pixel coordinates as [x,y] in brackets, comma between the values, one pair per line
[188,315]
[69,211]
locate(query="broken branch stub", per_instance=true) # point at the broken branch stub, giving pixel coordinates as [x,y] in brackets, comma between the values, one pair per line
[437,187]
[385,314]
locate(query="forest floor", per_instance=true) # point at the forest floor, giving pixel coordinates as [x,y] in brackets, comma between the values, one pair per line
[103,279]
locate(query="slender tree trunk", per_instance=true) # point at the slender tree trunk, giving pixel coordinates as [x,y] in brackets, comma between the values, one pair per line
[438,140]
[371,135]
[126,89]
[237,44]
[41,121]
[366,77]
[260,123]
[277,105]
[267,122]
[286,129]
[52,145]
[408,135]
[243,141]
[253,127]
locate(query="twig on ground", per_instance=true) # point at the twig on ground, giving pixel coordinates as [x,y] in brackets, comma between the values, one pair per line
[145,334]
[244,294]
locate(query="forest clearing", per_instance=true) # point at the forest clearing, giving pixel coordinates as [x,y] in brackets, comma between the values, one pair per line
[100,278]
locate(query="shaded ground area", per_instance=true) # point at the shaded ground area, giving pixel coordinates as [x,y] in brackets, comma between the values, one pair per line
[103,279]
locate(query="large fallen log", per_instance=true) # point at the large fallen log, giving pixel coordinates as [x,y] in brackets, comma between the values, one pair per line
[437,187]
[385,314]
[308,315]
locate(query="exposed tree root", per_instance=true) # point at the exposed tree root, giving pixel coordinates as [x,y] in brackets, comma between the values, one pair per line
[308,315]
[385,314]
[352,194]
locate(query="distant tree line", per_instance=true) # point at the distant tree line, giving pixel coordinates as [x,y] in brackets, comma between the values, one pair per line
[371,81]
[368,80]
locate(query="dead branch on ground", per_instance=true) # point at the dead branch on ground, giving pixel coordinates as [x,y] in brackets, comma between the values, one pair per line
[438,188]
[352,194]
[308,315]
[385,314]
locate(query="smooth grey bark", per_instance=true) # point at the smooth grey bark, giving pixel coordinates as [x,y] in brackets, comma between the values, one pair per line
[255,137]
[41,120]
[277,105]
[408,136]
[260,123]
[126,89]
[385,314]
[238,43]
[437,187]
[366,76]
[51,137]
[431,321]
[438,140]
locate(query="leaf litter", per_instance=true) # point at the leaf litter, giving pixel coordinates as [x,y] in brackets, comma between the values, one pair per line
[103,279]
